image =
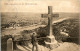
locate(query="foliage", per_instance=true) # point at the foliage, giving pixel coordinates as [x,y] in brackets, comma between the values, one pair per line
[71,26]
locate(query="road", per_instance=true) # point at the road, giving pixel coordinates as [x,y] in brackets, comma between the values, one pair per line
[17,30]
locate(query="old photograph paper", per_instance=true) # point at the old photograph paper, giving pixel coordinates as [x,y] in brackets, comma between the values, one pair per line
[40,25]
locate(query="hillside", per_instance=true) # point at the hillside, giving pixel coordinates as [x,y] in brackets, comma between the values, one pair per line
[24,17]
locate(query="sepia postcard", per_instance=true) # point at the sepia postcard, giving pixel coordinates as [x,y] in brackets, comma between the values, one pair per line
[40,25]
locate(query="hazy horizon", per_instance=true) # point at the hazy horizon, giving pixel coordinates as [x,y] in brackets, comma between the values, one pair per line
[24,16]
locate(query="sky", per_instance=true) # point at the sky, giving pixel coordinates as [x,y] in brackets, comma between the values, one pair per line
[39,6]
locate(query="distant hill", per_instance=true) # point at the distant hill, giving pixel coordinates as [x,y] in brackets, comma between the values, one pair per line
[24,16]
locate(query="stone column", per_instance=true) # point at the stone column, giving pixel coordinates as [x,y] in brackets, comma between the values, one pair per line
[9,44]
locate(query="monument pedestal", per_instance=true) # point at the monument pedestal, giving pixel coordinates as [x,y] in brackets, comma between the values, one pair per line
[51,42]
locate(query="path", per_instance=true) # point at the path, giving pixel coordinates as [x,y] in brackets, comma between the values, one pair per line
[19,29]
[63,47]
